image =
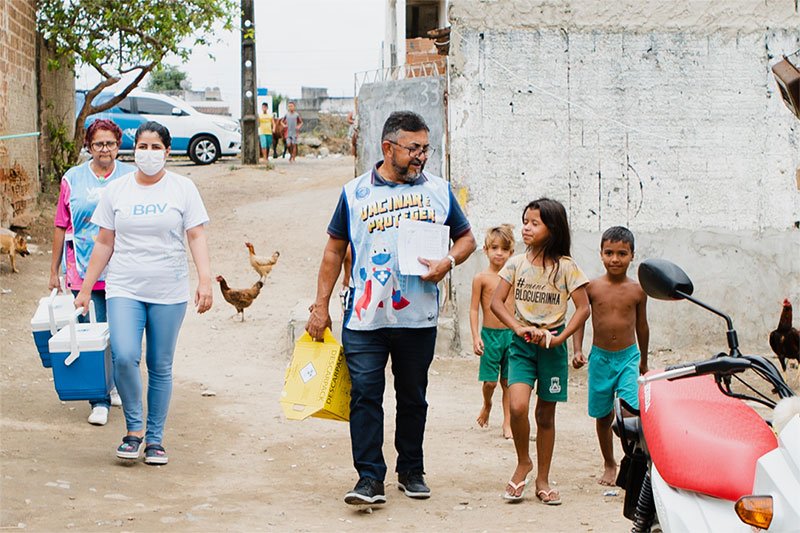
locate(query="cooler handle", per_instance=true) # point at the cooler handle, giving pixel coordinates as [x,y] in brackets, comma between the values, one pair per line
[51,312]
[73,338]
[92,314]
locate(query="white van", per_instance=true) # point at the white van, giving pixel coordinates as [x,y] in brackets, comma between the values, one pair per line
[204,138]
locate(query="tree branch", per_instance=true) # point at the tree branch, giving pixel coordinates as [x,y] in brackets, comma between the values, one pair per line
[152,40]
[99,68]
[122,95]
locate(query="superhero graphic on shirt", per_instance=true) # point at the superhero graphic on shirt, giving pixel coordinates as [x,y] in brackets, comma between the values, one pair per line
[381,287]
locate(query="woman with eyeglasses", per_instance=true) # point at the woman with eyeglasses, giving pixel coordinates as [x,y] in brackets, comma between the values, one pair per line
[74,234]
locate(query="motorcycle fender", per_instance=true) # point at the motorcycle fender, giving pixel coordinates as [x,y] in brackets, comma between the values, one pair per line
[682,510]
[778,475]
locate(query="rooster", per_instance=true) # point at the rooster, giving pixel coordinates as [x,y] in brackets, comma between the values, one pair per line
[262,265]
[785,340]
[239,298]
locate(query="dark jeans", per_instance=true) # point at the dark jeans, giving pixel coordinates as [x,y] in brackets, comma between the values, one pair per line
[367,353]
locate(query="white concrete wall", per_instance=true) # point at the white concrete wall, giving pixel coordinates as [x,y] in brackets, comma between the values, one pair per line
[338,106]
[661,117]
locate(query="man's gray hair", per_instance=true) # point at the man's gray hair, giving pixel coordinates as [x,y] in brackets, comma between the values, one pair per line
[402,120]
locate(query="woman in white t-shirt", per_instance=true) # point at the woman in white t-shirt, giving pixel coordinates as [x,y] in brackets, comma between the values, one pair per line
[143,217]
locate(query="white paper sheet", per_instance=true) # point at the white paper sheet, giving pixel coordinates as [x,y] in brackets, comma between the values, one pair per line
[417,239]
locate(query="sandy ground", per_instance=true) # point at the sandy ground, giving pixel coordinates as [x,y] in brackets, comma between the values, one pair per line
[235,463]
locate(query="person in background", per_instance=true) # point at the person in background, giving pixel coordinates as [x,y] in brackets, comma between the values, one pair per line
[352,132]
[144,218]
[265,130]
[74,233]
[292,124]
[278,135]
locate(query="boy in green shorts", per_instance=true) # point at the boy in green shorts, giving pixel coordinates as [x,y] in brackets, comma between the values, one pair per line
[494,339]
[619,321]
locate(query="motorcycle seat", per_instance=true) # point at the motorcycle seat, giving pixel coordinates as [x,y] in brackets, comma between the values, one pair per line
[700,439]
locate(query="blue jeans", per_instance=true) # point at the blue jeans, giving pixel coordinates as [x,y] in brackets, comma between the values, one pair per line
[367,353]
[128,320]
[99,300]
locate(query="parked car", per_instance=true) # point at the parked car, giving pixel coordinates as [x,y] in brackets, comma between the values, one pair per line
[204,138]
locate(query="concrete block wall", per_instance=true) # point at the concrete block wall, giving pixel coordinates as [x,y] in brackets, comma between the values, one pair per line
[665,119]
[19,159]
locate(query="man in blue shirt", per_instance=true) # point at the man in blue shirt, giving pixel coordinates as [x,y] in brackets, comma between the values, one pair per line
[389,314]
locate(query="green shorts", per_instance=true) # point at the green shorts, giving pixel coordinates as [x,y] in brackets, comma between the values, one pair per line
[610,374]
[266,140]
[494,361]
[542,368]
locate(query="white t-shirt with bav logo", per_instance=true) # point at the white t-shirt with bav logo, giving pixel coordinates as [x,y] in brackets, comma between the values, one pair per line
[149,262]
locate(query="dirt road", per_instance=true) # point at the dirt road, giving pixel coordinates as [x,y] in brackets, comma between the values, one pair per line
[235,463]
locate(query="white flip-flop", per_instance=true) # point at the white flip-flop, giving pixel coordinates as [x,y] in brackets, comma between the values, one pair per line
[516,486]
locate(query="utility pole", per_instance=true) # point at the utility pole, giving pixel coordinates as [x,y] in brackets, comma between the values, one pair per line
[250,146]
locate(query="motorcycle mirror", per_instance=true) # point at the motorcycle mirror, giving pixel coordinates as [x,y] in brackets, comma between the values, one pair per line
[664,280]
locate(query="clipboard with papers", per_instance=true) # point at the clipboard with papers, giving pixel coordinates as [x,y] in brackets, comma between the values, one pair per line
[417,239]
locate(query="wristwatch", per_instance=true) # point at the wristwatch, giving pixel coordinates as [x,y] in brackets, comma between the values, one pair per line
[452,262]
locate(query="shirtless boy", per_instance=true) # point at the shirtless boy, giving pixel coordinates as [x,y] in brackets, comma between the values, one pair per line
[619,321]
[494,339]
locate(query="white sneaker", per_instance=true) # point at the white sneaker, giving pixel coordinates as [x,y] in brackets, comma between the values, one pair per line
[116,401]
[99,416]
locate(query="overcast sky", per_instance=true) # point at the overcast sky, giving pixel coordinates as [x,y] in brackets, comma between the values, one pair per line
[313,43]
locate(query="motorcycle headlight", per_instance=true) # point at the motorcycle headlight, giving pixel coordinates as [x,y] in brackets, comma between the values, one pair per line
[227,126]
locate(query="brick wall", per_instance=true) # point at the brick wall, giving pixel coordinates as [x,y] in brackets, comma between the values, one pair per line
[421,51]
[18,112]
[31,98]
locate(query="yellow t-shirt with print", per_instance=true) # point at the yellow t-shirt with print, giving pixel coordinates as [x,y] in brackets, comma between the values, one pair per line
[540,297]
[264,124]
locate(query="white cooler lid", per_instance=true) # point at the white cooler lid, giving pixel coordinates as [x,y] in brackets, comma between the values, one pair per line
[62,309]
[91,337]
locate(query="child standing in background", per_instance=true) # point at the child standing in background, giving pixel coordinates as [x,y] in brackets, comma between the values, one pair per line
[543,279]
[265,130]
[494,339]
[619,321]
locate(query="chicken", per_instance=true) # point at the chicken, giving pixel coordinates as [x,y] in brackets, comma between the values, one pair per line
[262,265]
[239,298]
[785,340]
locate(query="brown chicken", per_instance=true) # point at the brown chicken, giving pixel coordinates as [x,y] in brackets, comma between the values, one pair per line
[262,265]
[785,340]
[239,298]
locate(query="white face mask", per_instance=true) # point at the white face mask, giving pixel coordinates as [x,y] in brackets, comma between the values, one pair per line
[150,162]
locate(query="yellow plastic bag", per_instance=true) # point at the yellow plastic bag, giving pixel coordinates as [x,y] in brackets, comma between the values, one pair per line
[317,381]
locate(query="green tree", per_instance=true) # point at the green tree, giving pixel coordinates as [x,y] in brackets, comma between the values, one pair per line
[119,37]
[166,78]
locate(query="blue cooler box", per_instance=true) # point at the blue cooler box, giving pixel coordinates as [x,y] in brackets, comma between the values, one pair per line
[44,327]
[81,357]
